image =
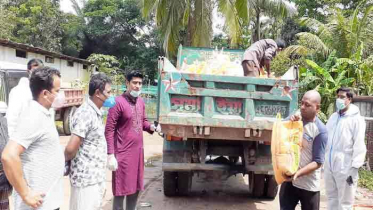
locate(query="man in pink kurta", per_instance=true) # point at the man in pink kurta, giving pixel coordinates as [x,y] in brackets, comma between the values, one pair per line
[125,124]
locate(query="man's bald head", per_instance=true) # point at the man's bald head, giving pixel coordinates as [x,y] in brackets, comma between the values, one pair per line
[310,105]
[314,96]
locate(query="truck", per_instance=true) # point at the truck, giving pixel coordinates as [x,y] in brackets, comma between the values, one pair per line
[10,77]
[219,122]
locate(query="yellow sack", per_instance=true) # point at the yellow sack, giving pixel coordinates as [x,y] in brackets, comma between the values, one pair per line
[285,147]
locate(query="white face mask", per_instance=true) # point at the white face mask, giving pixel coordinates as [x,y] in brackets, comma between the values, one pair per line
[135,93]
[340,104]
[59,100]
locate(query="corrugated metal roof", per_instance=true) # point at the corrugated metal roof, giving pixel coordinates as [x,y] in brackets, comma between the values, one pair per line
[29,48]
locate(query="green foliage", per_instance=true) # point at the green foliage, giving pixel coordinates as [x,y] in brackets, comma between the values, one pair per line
[37,22]
[115,27]
[326,81]
[73,34]
[185,21]
[316,8]
[342,34]
[220,41]
[281,63]
[366,179]
[109,65]
[7,22]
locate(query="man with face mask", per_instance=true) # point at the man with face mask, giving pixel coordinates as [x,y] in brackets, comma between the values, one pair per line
[87,147]
[304,185]
[125,124]
[345,152]
[20,95]
[33,159]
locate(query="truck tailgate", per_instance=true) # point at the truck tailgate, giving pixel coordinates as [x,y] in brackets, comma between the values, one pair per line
[192,105]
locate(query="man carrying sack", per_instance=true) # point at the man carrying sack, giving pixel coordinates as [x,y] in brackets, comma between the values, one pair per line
[304,185]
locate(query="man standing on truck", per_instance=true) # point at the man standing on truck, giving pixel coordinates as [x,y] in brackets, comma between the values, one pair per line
[345,152]
[87,147]
[304,185]
[125,124]
[19,95]
[33,159]
[260,55]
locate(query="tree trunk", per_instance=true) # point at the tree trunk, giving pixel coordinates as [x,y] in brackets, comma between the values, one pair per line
[256,34]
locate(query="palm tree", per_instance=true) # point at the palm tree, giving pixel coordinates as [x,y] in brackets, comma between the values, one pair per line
[249,13]
[345,38]
[173,17]
[195,18]
[343,34]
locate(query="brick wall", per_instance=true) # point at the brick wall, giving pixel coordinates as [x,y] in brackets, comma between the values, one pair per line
[369,137]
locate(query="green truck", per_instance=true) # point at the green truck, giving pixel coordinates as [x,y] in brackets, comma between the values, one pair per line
[219,122]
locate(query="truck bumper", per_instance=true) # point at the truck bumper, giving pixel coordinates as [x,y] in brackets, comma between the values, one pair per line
[260,169]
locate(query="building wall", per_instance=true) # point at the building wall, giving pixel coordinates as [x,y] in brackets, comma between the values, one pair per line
[68,74]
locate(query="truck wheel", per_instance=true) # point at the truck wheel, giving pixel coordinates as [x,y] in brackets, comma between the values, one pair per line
[233,159]
[184,183]
[272,187]
[67,118]
[259,182]
[169,183]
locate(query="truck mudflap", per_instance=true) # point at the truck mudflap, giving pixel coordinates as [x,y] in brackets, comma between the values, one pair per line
[257,169]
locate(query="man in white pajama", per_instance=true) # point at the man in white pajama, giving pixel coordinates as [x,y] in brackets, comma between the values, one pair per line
[87,147]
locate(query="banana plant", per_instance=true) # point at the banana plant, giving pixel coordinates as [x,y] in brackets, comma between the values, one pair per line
[322,80]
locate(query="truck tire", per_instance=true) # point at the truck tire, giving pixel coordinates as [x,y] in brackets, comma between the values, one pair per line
[233,159]
[184,183]
[169,183]
[67,118]
[272,187]
[259,184]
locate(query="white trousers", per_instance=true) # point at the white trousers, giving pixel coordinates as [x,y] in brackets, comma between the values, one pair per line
[340,195]
[87,198]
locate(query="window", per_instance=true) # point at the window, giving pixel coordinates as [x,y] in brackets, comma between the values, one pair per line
[49,59]
[70,63]
[21,54]
[85,66]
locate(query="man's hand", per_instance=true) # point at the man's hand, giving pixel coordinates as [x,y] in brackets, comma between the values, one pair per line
[156,128]
[33,199]
[352,174]
[112,163]
[295,117]
[288,178]
[295,176]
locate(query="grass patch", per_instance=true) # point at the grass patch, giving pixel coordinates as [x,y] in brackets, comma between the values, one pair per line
[366,179]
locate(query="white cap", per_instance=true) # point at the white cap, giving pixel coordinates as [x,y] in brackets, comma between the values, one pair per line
[3,107]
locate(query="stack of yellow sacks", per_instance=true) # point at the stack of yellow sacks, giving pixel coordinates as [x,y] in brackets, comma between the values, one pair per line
[218,64]
[285,147]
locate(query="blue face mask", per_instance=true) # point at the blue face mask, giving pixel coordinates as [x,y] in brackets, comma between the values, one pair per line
[109,102]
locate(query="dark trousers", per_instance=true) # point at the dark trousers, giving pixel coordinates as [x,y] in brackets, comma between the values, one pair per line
[290,197]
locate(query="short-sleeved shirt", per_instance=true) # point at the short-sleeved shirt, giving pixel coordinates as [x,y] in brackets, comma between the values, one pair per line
[89,165]
[315,138]
[43,159]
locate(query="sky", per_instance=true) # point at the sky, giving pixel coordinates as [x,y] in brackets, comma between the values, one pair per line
[66,6]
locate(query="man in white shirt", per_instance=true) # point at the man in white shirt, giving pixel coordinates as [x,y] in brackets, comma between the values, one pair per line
[20,95]
[33,159]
